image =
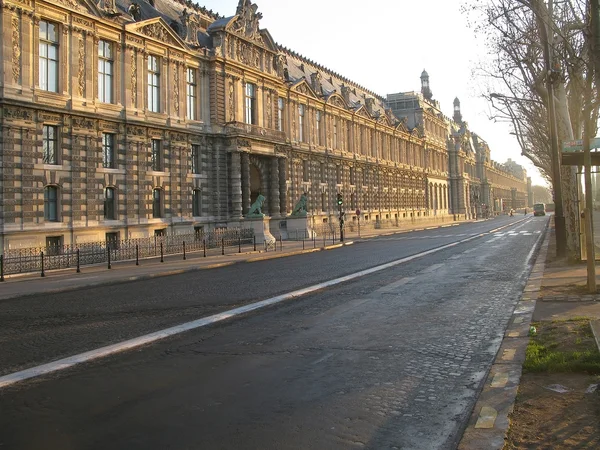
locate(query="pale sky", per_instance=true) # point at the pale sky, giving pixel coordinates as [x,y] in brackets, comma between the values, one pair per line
[384,45]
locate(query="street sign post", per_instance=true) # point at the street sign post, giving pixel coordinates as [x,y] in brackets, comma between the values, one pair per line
[576,145]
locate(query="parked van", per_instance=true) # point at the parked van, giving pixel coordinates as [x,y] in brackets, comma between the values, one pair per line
[539,209]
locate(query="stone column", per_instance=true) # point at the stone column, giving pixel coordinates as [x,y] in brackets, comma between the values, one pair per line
[283,204]
[274,197]
[236,185]
[245,182]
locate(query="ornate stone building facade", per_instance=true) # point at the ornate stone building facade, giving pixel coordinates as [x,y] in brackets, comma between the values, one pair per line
[123,119]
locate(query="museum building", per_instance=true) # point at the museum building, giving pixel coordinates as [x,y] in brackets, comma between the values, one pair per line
[126,119]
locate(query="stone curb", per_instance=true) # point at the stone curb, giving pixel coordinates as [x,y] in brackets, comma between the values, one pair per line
[489,421]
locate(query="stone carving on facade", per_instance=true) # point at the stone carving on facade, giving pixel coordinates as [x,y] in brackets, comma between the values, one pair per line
[159,32]
[16,56]
[336,101]
[231,102]
[133,76]
[243,143]
[303,89]
[132,130]
[73,4]
[81,71]
[246,23]
[84,123]
[176,88]
[17,113]
[279,62]
[190,27]
[269,110]
[135,12]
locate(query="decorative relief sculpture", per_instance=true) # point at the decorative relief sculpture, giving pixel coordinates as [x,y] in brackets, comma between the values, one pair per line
[300,210]
[16,56]
[81,72]
[176,88]
[159,32]
[256,207]
[135,12]
[247,22]
[17,113]
[231,102]
[133,77]
[269,110]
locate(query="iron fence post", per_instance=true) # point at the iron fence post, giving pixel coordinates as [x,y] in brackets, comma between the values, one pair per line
[333,240]
[162,258]
[154,245]
[108,253]
[240,243]
[204,246]
[324,237]
[42,256]
[184,258]
[223,246]
[78,262]
[314,239]
[254,239]
[1,267]
[137,255]
[280,244]
[302,243]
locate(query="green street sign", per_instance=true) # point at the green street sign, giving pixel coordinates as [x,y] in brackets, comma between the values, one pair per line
[577,145]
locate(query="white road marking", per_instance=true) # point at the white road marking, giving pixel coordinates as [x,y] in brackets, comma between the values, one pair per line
[102,352]
[433,268]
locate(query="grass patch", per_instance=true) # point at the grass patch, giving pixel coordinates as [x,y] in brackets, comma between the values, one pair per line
[563,346]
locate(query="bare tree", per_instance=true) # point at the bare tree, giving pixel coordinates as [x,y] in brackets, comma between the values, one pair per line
[517,32]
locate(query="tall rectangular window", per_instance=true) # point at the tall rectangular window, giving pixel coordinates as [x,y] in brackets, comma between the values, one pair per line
[153,84]
[335,133]
[157,203]
[156,156]
[105,72]
[197,203]
[318,125]
[301,123]
[280,106]
[108,151]
[48,58]
[51,203]
[50,144]
[250,104]
[191,93]
[109,203]
[195,159]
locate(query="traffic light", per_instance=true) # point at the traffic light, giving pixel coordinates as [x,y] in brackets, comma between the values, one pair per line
[340,199]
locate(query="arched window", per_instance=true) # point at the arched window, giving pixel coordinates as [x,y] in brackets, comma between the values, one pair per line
[109,203]
[157,203]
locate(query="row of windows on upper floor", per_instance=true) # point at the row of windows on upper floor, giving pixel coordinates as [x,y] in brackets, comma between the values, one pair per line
[51,152]
[50,69]
[52,203]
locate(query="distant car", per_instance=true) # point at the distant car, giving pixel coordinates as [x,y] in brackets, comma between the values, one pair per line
[539,209]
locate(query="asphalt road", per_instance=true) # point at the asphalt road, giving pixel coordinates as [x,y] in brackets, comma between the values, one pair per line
[391,360]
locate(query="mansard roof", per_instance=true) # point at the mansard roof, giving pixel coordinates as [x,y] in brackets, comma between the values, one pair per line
[332,83]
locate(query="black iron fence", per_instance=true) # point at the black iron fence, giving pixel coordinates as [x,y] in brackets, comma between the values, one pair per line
[41,259]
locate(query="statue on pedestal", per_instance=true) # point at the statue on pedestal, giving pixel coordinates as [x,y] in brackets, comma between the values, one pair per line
[300,209]
[256,208]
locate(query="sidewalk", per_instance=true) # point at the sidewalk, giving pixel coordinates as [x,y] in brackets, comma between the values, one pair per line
[555,290]
[125,271]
